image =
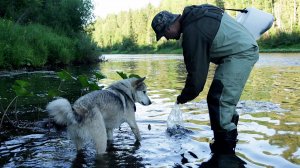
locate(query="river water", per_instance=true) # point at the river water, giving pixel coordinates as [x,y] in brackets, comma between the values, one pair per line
[269,126]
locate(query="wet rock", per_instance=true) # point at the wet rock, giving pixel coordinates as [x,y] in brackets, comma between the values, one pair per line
[184,160]
[193,154]
[149,127]
[178,130]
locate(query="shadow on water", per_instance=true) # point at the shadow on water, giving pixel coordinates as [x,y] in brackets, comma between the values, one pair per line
[114,157]
[224,161]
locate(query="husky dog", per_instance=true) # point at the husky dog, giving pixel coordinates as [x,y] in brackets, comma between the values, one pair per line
[95,115]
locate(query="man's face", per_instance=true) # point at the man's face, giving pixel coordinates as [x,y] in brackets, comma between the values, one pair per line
[172,32]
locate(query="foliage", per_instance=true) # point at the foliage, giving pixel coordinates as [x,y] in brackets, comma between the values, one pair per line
[36,33]
[36,45]
[23,88]
[87,50]
[131,31]
[126,76]
[33,45]
[64,15]
[86,83]
[280,39]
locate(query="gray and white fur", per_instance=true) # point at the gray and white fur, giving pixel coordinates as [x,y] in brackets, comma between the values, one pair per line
[95,115]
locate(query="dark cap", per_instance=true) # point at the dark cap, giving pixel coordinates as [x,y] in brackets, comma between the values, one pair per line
[162,21]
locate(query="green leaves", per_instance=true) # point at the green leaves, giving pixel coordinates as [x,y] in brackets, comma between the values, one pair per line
[99,75]
[20,87]
[122,75]
[64,75]
[86,82]
[125,76]
[53,93]
[134,75]
[83,80]
[91,84]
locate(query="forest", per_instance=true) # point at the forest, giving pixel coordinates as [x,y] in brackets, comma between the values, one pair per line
[55,33]
[41,33]
[131,32]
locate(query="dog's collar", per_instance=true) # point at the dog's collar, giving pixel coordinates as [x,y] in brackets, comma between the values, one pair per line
[125,95]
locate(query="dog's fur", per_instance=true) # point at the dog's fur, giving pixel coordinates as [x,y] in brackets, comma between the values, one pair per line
[95,115]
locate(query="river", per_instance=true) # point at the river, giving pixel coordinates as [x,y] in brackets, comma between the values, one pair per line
[269,126]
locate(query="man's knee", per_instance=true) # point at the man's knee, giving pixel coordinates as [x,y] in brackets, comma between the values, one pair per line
[215,92]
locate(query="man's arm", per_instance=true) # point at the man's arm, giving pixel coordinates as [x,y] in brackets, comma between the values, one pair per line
[196,58]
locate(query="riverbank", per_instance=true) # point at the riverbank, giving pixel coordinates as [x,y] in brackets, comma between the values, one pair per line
[179,51]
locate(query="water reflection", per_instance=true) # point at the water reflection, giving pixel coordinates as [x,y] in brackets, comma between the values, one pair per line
[269,127]
[115,157]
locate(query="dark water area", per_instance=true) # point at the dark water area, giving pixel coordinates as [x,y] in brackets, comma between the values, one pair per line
[269,126]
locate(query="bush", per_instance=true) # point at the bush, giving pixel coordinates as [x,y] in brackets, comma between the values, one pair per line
[35,45]
[61,49]
[280,39]
[86,50]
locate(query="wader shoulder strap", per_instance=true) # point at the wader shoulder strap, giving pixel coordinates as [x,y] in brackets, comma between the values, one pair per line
[209,11]
[239,10]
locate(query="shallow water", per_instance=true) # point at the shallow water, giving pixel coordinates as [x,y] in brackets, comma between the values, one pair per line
[269,126]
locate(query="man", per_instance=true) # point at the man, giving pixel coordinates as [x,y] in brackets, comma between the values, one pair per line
[211,35]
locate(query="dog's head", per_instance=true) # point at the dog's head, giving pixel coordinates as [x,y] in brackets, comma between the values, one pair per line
[140,91]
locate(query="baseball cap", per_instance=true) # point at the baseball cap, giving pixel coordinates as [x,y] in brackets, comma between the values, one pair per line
[162,21]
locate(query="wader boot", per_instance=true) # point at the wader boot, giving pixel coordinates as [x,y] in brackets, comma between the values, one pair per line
[224,142]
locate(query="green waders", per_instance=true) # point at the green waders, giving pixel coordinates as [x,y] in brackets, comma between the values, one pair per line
[225,91]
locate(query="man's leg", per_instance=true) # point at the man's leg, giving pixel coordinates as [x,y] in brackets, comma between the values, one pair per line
[225,91]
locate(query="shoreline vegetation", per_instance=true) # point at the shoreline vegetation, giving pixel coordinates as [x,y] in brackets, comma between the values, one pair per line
[50,34]
[46,34]
[173,47]
[131,32]
[179,51]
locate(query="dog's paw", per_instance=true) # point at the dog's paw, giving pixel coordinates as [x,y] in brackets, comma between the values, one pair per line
[137,143]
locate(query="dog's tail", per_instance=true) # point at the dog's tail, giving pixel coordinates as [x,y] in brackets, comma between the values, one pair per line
[62,111]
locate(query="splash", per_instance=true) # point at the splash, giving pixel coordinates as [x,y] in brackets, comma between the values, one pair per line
[175,123]
[175,117]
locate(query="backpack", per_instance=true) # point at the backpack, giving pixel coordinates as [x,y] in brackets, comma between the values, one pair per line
[256,21]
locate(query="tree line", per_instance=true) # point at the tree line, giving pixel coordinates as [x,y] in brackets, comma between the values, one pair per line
[131,30]
[37,33]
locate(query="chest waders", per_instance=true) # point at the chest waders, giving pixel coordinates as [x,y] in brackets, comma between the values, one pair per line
[225,91]
[226,88]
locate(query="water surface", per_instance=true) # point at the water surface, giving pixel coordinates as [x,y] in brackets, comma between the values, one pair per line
[269,126]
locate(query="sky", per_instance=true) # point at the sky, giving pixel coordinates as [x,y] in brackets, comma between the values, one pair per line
[104,7]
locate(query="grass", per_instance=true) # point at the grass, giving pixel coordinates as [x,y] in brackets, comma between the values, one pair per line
[35,45]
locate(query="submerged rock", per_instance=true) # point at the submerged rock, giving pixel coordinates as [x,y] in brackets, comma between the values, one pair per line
[250,106]
[178,130]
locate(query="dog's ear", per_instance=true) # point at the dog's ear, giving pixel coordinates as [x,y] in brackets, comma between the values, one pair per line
[139,81]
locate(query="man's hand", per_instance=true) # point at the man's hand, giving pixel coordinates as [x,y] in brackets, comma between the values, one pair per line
[180,100]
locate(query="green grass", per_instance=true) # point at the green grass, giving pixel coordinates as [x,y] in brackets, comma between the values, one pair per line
[35,45]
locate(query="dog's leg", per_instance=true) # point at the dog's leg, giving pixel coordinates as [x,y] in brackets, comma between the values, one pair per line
[109,136]
[74,132]
[98,132]
[78,142]
[135,129]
